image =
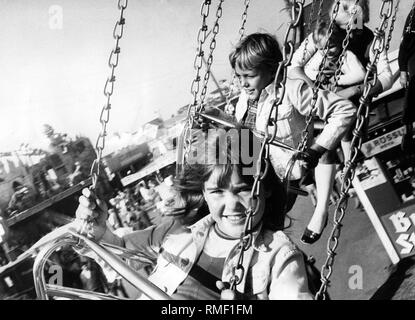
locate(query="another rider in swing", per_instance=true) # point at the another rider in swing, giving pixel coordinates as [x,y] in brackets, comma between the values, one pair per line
[359,45]
[194,253]
[255,61]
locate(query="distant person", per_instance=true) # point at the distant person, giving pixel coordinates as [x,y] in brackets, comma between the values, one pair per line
[152,185]
[167,194]
[92,277]
[113,219]
[164,189]
[146,193]
[22,198]
[77,174]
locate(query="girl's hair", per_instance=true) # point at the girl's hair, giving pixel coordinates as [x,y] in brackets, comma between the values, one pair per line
[257,51]
[346,5]
[222,154]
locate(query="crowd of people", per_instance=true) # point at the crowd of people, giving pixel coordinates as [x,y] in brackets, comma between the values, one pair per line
[194,250]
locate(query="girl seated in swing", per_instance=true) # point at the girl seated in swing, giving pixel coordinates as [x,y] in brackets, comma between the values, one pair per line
[351,72]
[359,46]
[194,252]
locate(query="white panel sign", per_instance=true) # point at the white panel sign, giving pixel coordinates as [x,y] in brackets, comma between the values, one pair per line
[384,142]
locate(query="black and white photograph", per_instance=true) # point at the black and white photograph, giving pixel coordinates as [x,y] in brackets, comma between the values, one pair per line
[214,152]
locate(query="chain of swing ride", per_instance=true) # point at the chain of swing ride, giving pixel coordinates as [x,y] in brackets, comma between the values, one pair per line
[392,26]
[308,32]
[310,22]
[197,104]
[317,84]
[118,31]
[230,109]
[378,45]
[186,138]
[345,44]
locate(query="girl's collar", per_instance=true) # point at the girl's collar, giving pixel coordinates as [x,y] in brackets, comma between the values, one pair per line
[202,226]
[270,89]
[222,235]
[225,236]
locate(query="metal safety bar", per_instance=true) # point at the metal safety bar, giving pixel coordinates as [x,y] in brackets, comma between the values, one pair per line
[77,294]
[230,124]
[73,239]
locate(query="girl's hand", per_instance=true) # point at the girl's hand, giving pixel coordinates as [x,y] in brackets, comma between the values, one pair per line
[226,293]
[93,211]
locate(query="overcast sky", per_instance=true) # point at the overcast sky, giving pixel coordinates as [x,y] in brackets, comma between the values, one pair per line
[54,71]
[54,54]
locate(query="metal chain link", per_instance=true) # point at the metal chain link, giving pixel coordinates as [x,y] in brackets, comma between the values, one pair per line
[117,34]
[310,20]
[186,135]
[229,109]
[263,164]
[392,26]
[370,80]
[197,105]
[345,44]
[244,18]
[212,46]
[320,11]
[309,119]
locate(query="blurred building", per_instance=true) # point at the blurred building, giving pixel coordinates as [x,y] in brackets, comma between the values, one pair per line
[45,172]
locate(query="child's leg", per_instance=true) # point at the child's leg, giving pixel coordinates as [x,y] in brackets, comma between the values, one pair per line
[310,185]
[324,175]
[346,148]
[346,143]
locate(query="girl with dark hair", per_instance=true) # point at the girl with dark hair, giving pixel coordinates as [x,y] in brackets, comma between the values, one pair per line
[195,252]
